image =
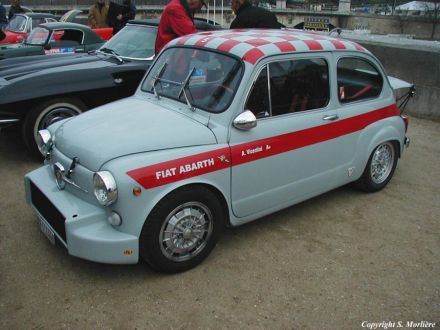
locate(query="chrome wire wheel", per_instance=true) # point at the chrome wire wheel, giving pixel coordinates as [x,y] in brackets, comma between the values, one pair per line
[382,162]
[186,231]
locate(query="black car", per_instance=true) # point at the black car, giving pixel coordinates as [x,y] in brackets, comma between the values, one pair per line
[36,91]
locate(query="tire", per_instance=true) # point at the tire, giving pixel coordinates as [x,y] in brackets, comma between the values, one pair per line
[380,168]
[182,229]
[46,113]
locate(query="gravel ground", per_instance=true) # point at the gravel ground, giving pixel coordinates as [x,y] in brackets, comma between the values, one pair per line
[332,262]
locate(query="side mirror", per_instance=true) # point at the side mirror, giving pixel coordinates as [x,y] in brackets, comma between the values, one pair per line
[245,120]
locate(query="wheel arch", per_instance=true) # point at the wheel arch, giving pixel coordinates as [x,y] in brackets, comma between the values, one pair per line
[375,137]
[209,185]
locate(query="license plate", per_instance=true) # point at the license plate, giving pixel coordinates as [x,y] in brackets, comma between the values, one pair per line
[47,231]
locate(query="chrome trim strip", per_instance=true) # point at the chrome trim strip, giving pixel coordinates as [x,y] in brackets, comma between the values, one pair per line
[268,89]
[9,121]
[71,182]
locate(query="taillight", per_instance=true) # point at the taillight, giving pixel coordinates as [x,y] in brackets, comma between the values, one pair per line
[406,121]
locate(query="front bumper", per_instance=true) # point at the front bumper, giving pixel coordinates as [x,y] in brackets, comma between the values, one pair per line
[79,225]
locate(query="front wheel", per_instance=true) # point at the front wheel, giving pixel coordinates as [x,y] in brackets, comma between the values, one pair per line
[45,114]
[182,229]
[380,168]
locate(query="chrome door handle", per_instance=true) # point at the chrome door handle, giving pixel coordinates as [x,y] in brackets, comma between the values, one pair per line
[330,117]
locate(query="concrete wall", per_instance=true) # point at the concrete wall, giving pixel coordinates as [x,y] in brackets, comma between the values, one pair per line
[420,27]
[418,66]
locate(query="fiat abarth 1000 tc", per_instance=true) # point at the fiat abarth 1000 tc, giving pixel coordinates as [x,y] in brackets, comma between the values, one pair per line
[226,127]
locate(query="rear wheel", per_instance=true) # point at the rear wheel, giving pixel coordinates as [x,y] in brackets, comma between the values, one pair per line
[380,167]
[45,114]
[182,229]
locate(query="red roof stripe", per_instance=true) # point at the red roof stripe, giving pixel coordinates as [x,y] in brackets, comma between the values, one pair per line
[203,41]
[228,45]
[257,42]
[183,40]
[359,47]
[338,44]
[285,46]
[253,55]
[313,44]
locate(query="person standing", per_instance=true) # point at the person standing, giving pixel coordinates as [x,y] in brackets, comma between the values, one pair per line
[249,16]
[15,9]
[3,19]
[177,20]
[98,15]
[122,18]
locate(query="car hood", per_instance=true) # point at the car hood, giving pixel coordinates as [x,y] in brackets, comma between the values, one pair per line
[55,75]
[12,50]
[128,126]
[17,67]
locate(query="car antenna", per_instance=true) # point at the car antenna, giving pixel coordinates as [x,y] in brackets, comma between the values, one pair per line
[182,90]
[157,78]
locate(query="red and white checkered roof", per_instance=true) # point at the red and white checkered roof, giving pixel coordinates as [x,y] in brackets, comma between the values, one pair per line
[251,45]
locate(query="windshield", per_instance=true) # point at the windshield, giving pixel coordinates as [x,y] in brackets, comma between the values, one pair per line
[38,36]
[133,41]
[205,79]
[17,24]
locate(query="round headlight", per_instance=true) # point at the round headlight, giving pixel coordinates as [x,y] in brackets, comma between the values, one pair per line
[44,142]
[105,188]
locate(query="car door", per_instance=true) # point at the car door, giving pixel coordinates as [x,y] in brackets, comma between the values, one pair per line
[362,101]
[290,155]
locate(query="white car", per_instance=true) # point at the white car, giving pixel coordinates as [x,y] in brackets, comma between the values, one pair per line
[226,127]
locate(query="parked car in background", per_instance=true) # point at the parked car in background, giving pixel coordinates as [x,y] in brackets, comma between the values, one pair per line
[73,17]
[226,127]
[56,87]
[26,9]
[21,25]
[54,38]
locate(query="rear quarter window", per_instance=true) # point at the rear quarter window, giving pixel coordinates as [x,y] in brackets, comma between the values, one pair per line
[358,80]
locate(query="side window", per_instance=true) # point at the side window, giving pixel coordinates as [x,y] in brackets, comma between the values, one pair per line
[37,21]
[293,86]
[357,80]
[69,37]
[298,85]
[258,100]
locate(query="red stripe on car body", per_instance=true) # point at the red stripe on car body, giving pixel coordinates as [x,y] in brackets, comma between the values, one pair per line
[187,167]
[182,168]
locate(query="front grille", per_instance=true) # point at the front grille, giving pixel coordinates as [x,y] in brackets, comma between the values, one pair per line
[49,212]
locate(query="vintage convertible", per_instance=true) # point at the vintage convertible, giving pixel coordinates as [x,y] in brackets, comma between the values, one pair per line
[36,91]
[21,25]
[226,127]
[54,38]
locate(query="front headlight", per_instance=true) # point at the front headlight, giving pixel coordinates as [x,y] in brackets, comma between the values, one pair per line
[105,188]
[44,142]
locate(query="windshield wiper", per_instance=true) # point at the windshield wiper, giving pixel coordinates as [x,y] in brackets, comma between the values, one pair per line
[182,90]
[157,78]
[111,52]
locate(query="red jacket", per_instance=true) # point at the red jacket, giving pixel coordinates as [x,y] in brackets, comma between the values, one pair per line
[175,22]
